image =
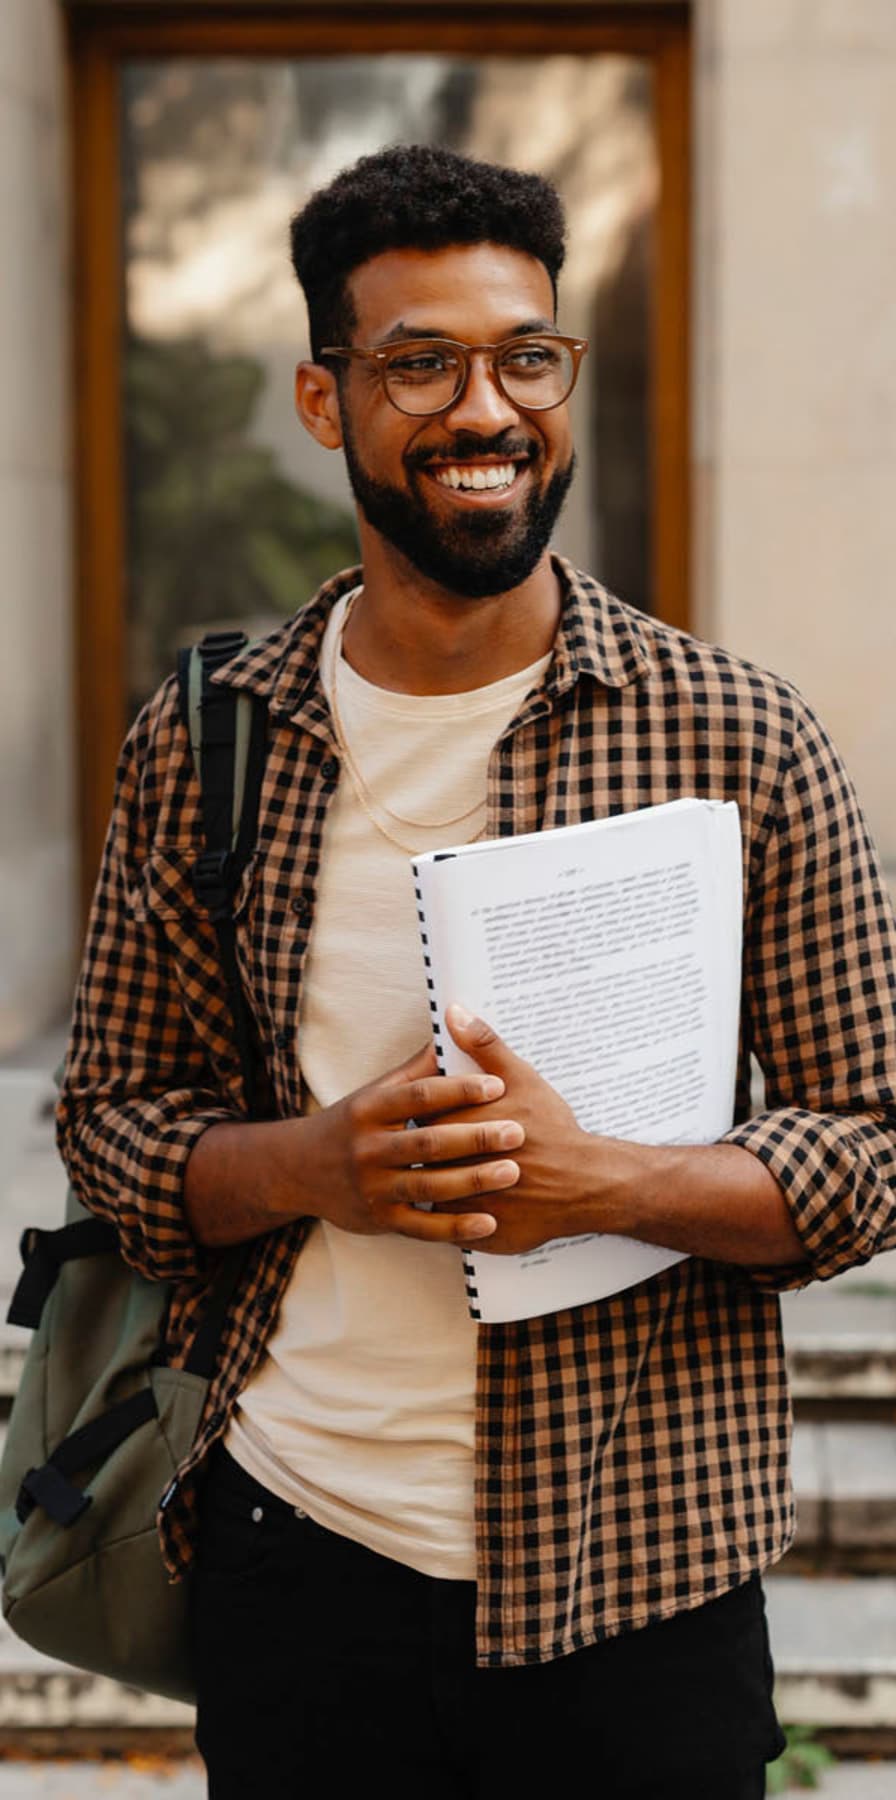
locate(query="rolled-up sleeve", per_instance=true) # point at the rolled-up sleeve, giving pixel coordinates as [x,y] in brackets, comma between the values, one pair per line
[819,1013]
[140,1085]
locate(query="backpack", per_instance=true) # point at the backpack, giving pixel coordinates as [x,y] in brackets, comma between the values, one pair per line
[100,1423]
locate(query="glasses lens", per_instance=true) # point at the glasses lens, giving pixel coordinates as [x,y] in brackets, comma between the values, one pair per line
[537,372]
[423,377]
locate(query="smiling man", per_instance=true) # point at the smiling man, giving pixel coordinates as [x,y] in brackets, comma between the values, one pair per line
[426,1556]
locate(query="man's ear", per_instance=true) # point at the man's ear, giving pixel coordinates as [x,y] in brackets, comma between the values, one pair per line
[317,404]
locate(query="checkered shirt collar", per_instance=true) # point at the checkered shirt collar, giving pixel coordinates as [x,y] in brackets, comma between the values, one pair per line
[596,636]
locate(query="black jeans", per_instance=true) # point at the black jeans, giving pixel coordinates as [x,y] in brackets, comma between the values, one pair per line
[322,1666]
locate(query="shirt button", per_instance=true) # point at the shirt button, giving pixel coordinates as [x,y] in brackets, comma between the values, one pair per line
[329,768]
[300,907]
[257,1514]
[299,1513]
[282,1040]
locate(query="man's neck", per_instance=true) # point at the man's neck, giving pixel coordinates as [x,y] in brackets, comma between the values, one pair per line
[411,636]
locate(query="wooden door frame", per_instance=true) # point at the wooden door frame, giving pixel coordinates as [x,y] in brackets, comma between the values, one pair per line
[101,34]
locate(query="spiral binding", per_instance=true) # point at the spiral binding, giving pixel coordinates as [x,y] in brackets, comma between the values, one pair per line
[431,986]
[469,1270]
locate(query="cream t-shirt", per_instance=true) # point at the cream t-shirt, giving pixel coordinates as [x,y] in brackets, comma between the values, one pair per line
[361,1413]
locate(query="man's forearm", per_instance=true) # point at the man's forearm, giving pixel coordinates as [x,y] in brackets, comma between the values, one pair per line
[244,1179]
[713,1200]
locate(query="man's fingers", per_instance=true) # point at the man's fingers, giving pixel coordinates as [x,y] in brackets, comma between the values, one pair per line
[431,1187]
[421,1096]
[435,1228]
[438,1143]
[413,1188]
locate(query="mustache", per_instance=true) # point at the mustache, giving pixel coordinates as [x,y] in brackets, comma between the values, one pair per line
[466,446]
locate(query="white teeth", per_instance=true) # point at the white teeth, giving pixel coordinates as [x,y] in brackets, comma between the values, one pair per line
[499,475]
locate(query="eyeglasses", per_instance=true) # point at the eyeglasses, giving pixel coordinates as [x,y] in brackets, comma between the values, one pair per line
[421,376]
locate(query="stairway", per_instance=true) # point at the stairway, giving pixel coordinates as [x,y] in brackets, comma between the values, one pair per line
[831,1602]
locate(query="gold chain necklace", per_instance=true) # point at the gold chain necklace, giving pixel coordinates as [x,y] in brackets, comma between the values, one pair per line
[364,795]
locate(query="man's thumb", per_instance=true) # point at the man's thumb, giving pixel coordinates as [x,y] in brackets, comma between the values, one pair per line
[477,1039]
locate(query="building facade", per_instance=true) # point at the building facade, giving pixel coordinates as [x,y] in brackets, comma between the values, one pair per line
[780,480]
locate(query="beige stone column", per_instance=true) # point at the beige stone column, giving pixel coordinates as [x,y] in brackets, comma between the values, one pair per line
[37,849]
[795,359]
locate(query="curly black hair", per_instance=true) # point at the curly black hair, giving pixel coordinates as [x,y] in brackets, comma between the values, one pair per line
[415,196]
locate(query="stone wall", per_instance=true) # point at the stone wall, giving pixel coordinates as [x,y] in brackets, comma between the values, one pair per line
[37,839]
[795,359]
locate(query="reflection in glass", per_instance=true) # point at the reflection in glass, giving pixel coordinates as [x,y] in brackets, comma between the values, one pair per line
[232,513]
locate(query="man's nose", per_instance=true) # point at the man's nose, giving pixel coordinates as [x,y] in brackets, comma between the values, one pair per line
[482,406]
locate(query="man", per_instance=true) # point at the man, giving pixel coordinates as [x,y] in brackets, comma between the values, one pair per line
[461,1560]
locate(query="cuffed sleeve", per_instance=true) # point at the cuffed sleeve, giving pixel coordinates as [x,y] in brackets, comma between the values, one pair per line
[819,1002]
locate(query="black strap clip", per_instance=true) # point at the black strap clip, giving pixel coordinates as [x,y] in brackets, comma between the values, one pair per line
[214,880]
[49,1489]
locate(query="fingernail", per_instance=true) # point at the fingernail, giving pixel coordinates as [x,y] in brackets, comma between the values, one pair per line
[492,1087]
[510,1136]
[505,1171]
[481,1227]
[460,1016]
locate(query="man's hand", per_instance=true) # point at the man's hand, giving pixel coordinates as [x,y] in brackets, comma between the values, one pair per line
[712,1200]
[556,1159]
[358,1163]
[385,1149]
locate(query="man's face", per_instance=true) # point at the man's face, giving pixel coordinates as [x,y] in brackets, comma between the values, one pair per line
[472,542]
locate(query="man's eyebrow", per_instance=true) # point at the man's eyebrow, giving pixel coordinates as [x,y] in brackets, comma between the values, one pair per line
[402,333]
[539,325]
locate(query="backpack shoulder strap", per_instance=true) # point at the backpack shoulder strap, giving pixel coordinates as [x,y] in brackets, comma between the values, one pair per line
[228,733]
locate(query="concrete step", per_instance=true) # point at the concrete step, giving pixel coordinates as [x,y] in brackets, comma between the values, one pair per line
[845,1480]
[834,1646]
[833,1642]
[109,1780]
[841,1341]
[848,1781]
[32,1192]
[39,1694]
[874,1277]
[184,1780]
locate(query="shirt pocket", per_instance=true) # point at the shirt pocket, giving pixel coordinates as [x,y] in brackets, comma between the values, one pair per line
[163,902]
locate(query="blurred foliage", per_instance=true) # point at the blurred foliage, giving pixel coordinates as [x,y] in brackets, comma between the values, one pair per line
[217,532]
[801,1764]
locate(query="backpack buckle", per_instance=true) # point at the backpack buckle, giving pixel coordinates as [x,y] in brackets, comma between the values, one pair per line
[49,1489]
[213,881]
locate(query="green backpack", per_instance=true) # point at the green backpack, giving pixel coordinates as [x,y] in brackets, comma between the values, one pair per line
[100,1423]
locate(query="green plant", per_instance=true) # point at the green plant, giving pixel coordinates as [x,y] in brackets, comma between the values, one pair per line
[216,530]
[801,1763]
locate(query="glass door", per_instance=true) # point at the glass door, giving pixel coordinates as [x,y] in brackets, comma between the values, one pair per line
[232,513]
[203,501]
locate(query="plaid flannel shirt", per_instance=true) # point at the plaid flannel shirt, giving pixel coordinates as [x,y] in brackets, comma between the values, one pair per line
[632,1456]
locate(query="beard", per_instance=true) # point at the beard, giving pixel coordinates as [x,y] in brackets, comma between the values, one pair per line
[476,554]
